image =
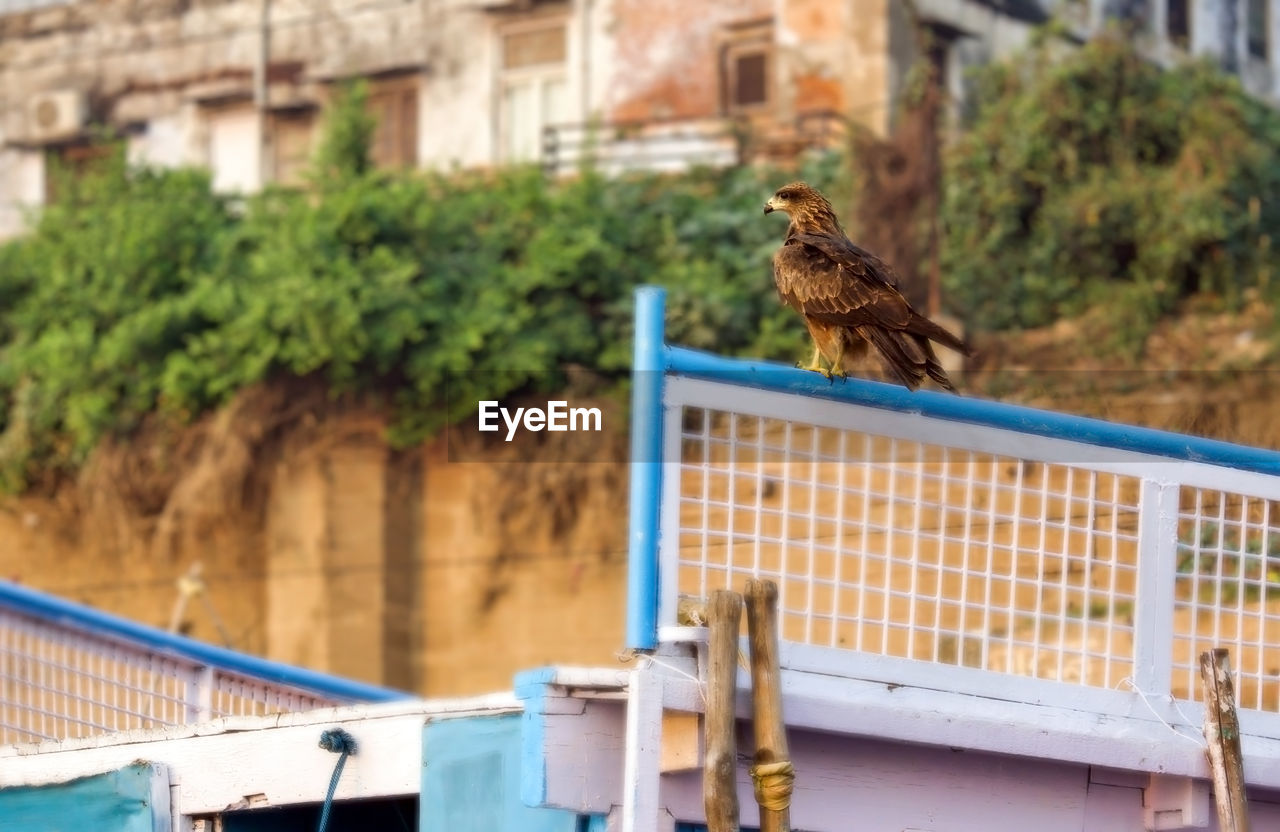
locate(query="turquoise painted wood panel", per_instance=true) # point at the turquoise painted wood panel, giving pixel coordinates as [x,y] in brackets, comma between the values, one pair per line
[118,801]
[471,779]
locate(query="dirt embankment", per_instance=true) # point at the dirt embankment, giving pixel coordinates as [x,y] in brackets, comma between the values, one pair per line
[1207,373]
[428,569]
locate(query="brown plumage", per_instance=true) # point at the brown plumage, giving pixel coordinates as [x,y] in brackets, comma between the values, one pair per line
[848,297]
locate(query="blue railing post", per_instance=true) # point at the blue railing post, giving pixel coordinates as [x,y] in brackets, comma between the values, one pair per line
[648,369]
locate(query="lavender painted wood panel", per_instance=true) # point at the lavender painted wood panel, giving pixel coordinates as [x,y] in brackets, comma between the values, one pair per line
[1113,808]
[1262,815]
[885,785]
[897,786]
[583,757]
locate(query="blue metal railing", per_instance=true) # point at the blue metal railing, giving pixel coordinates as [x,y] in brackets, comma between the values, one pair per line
[1175,446]
[649,369]
[63,613]
[654,361]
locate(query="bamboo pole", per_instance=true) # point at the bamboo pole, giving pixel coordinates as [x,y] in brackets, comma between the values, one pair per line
[772,773]
[719,774]
[1222,730]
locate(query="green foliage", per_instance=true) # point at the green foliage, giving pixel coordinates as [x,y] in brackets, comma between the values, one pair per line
[91,306]
[1098,181]
[147,294]
[347,136]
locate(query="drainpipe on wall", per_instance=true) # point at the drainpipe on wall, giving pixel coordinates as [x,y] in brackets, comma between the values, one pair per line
[260,92]
[585,81]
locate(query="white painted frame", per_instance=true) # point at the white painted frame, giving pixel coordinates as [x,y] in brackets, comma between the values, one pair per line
[1158,514]
[538,74]
[236,762]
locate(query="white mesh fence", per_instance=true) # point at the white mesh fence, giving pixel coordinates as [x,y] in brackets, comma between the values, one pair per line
[902,536]
[1227,592]
[60,682]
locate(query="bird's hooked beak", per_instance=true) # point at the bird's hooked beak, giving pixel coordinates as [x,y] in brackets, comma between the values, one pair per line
[770,207]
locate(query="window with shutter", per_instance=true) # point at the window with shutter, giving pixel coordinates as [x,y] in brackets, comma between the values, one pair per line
[393,103]
[534,86]
[1259,24]
[1177,22]
[747,66]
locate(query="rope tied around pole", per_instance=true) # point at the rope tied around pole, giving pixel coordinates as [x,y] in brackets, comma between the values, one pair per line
[773,783]
[339,742]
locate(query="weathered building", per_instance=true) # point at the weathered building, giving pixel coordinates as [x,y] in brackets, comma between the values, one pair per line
[237,84]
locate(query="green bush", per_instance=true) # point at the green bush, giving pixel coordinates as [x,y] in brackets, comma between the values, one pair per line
[143,293]
[92,306]
[1100,181]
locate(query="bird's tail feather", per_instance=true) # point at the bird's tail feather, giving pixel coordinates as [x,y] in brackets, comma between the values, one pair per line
[934,367]
[893,351]
[920,325]
[908,357]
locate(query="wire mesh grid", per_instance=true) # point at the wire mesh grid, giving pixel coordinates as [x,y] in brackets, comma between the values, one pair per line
[1227,592]
[235,695]
[56,683]
[62,683]
[911,549]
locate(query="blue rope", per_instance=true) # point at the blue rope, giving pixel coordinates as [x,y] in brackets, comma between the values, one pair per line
[339,742]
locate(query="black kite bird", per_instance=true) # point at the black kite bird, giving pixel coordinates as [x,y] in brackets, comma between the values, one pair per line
[848,297]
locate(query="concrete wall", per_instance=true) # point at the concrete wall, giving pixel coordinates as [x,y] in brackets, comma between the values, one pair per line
[21,187]
[665,56]
[835,56]
[177,78]
[406,568]
[456,126]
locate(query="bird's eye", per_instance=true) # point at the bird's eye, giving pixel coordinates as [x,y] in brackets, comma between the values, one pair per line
[784,196]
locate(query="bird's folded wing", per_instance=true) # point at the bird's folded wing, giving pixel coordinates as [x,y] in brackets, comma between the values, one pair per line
[836,292]
[840,249]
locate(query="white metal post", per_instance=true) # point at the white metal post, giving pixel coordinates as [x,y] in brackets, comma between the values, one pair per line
[200,694]
[641,770]
[1157,568]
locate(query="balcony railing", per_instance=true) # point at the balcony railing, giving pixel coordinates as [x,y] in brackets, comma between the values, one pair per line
[70,671]
[679,144]
[950,543]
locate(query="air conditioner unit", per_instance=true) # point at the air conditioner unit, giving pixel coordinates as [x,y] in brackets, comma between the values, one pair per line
[56,115]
